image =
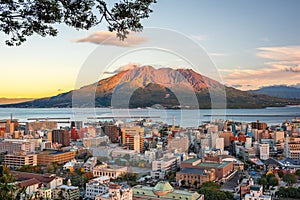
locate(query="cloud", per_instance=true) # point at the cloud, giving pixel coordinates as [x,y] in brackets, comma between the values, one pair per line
[109,38]
[217,54]
[283,68]
[123,68]
[199,37]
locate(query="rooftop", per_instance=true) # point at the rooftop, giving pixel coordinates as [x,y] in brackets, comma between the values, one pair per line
[191,171]
[214,165]
[53,152]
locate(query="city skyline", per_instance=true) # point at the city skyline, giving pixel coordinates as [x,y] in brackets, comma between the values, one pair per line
[252,45]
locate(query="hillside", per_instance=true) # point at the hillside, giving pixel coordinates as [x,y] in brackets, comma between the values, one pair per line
[281,91]
[146,86]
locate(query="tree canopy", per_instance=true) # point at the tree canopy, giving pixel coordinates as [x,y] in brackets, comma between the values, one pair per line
[20,19]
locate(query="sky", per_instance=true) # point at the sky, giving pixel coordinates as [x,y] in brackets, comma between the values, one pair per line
[251,43]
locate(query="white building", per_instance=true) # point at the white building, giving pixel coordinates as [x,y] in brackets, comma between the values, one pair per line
[67,192]
[116,191]
[112,171]
[264,151]
[256,193]
[169,163]
[90,164]
[248,142]
[150,155]
[97,186]
[220,144]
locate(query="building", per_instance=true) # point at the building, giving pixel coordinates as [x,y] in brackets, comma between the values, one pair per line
[48,180]
[40,125]
[116,191]
[31,186]
[111,172]
[61,136]
[44,192]
[90,164]
[19,159]
[49,156]
[292,149]
[164,166]
[76,124]
[248,143]
[227,137]
[12,145]
[9,125]
[97,186]
[95,142]
[180,144]
[196,177]
[256,193]
[264,151]
[150,156]
[67,192]
[163,190]
[220,144]
[133,138]
[75,134]
[258,125]
[278,136]
[113,132]
[222,168]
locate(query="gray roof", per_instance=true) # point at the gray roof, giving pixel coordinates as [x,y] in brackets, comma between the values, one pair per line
[192,171]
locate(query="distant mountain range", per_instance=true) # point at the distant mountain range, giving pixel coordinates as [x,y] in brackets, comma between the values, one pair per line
[147,86]
[281,91]
[13,100]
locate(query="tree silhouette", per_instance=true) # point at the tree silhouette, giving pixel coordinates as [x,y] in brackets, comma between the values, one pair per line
[22,18]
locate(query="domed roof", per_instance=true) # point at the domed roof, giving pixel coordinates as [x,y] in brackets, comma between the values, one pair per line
[162,188]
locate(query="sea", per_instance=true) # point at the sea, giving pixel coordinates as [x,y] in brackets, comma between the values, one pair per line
[184,118]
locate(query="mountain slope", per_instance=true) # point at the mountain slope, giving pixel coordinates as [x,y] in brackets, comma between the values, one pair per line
[13,100]
[280,91]
[147,86]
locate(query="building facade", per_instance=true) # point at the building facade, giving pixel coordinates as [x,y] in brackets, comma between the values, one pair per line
[50,156]
[133,138]
[19,159]
[111,172]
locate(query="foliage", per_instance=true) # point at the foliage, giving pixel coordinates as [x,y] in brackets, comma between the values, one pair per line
[22,18]
[211,191]
[273,181]
[7,189]
[31,169]
[280,173]
[289,178]
[298,172]
[263,181]
[289,192]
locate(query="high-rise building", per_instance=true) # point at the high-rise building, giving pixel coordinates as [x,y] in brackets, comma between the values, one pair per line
[264,151]
[259,125]
[9,126]
[227,137]
[61,136]
[131,136]
[220,144]
[112,131]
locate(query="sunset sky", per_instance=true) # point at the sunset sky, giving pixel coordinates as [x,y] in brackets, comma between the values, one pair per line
[252,43]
